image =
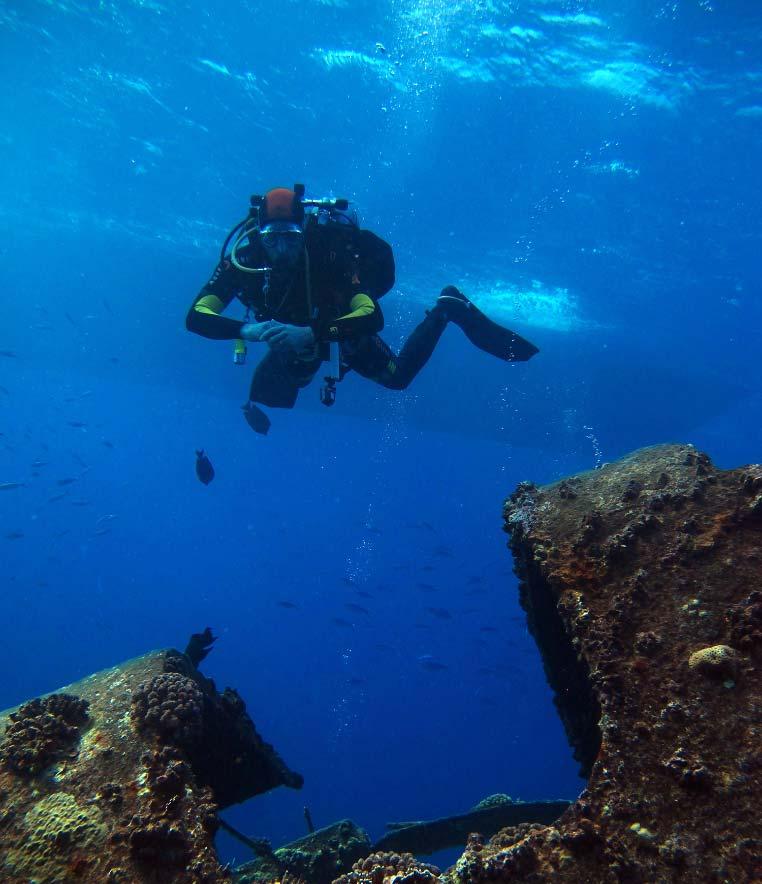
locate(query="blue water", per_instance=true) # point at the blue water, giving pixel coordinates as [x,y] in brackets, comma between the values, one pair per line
[588,172]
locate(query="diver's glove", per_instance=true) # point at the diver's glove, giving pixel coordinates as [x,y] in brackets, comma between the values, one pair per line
[296,339]
[253,331]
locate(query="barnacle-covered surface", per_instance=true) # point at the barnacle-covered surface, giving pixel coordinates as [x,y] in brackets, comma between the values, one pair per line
[318,858]
[641,586]
[98,781]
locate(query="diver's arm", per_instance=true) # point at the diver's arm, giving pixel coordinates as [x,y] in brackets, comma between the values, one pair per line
[204,318]
[363,318]
[204,315]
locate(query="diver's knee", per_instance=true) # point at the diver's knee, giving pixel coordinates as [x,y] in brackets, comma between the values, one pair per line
[396,382]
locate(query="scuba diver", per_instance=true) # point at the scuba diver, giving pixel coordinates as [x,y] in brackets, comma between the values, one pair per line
[311,279]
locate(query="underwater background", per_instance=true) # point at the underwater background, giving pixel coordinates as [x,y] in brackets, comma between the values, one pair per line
[587,172]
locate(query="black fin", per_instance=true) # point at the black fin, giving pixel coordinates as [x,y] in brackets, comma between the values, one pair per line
[483,332]
[256,418]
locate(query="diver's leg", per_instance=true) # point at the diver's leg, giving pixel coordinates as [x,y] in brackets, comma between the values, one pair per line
[481,330]
[373,358]
[276,383]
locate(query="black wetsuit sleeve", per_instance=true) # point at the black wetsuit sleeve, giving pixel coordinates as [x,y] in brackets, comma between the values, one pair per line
[204,315]
[363,317]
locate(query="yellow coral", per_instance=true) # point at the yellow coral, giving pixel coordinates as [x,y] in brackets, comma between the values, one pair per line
[719,661]
[54,825]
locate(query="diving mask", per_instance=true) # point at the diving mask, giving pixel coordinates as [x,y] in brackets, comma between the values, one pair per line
[283,242]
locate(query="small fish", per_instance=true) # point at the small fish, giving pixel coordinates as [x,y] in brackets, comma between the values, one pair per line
[107,443]
[82,501]
[473,580]
[39,463]
[357,682]
[104,529]
[433,665]
[71,319]
[340,621]
[9,354]
[351,606]
[427,587]
[442,613]
[56,497]
[5,390]
[488,629]
[443,551]
[9,486]
[363,594]
[67,481]
[287,604]
[204,468]
[14,535]
[78,425]
[108,517]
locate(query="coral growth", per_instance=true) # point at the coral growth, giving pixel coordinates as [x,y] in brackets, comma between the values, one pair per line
[53,830]
[390,868]
[41,731]
[171,705]
[640,590]
[718,661]
[175,821]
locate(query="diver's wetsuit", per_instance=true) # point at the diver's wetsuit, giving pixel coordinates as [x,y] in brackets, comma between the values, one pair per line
[334,290]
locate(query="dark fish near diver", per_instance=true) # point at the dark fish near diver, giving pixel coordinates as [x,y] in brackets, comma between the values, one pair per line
[354,607]
[433,666]
[204,468]
[442,613]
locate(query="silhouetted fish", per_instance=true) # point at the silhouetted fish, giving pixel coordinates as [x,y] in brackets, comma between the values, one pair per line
[340,621]
[433,665]
[204,468]
[286,604]
[14,535]
[488,629]
[442,613]
[78,425]
[9,354]
[353,607]
[427,587]
[9,486]
[67,481]
[364,594]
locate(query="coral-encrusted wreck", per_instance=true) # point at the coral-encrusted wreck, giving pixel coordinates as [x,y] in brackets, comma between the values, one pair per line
[641,583]
[118,778]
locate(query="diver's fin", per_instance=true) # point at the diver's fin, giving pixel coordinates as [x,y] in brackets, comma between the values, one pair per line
[256,418]
[482,331]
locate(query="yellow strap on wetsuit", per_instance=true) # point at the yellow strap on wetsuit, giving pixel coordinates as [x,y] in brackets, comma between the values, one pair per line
[360,305]
[209,304]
